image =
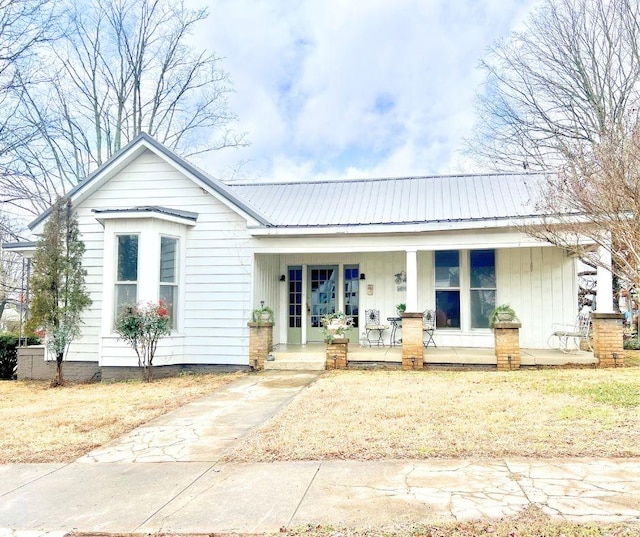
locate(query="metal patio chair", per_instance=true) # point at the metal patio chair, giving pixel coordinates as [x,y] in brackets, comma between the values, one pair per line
[428,327]
[373,326]
[567,338]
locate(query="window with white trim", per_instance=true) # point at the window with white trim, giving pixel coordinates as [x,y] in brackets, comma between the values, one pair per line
[126,286]
[477,277]
[482,267]
[447,265]
[168,292]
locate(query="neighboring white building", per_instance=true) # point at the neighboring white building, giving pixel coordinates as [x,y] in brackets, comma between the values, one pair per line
[155,226]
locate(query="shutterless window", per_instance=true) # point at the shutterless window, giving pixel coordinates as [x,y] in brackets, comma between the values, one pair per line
[447,269]
[483,286]
[126,291]
[169,275]
[295,297]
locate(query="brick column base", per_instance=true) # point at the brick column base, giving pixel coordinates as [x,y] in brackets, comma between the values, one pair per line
[608,345]
[337,351]
[260,343]
[507,337]
[412,348]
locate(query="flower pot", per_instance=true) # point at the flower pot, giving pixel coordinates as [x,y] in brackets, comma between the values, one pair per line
[504,317]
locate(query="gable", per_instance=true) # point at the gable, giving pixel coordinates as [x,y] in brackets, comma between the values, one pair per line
[143,145]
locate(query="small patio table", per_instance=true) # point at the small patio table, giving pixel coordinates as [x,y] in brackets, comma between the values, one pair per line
[396,322]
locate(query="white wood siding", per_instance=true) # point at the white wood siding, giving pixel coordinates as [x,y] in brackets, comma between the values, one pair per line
[215,285]
[268,288]
[541,286]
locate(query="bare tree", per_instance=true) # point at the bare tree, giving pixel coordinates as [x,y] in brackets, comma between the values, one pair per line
[556,86]
[563,95]
[25,25]
[595,200]
[11,266]
[120,67]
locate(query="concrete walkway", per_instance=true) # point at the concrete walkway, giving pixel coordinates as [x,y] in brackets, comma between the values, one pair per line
[188,489]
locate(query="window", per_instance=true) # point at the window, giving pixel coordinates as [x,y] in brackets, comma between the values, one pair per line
[169,276]
[351,292]
[483,286]
[127,271]
[295,297]
[447,289]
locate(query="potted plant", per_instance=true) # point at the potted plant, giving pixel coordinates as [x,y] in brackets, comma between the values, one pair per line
[263,314]
[502,314]
[401,308]
[335,325]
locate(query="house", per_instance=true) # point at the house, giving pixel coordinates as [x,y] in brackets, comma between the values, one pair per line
[156,227]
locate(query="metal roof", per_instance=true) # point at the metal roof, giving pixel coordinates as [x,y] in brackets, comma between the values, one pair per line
[406,200]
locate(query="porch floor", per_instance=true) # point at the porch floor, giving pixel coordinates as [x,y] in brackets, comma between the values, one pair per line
[312,356]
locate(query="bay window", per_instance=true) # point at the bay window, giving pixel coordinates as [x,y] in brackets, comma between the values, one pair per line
[168,292]
[126,286]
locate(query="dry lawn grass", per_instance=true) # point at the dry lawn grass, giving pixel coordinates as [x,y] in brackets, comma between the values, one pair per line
[43,424]
[530,523]
[402,414]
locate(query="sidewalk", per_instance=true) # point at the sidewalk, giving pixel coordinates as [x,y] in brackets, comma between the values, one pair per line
[201,497]
[169,476]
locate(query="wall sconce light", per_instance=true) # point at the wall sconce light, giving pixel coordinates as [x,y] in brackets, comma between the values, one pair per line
[283,278]
[362,276]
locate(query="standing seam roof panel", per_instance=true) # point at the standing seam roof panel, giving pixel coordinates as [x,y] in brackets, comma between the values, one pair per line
[403,200]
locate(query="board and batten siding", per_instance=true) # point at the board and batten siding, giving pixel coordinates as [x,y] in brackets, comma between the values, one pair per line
[267,285]
[542,287]
[215,280]
[540,283]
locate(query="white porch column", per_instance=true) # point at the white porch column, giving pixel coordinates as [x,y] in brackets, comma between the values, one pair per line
[412,281]
[604,295]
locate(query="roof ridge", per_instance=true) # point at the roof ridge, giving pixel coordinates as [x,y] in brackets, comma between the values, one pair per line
[376,179]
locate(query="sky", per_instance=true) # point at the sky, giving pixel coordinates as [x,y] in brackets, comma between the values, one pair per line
[329,89]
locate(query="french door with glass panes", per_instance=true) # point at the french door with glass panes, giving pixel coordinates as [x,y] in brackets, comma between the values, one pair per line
[321,297]
[322,284]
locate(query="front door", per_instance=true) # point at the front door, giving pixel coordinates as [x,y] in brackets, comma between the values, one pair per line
[321,298]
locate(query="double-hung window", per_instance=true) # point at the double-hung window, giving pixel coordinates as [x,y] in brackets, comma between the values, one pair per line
[475,281]
[482,265]
[447,289]
[126,291]
[168,292]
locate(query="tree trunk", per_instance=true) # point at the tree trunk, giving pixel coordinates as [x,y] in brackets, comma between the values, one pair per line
[59,379]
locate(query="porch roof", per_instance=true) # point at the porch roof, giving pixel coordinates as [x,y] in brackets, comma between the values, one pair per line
[405,200]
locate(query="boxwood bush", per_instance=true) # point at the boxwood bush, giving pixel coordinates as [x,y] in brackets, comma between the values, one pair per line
[9,354]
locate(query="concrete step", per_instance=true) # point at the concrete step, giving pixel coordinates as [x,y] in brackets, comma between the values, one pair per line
[310,361]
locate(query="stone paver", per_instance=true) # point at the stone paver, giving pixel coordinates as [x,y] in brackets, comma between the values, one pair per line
[203,430]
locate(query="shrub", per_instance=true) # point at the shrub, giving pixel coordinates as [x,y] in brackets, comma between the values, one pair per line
[9,354]
[142,326]
[632,344]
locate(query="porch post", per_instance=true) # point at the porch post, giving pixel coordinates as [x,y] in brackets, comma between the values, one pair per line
[260,343]
[412,280]
[608,345]
[604,286]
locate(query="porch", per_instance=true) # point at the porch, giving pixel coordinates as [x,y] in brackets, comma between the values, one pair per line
[312,356]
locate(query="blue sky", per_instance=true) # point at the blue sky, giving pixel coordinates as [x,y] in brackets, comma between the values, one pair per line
[361,88]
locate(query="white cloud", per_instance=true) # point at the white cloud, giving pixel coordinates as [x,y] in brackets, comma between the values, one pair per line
[338,88]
